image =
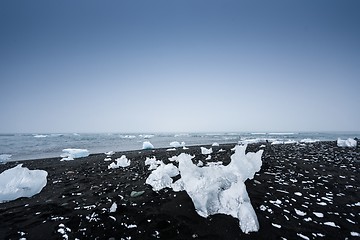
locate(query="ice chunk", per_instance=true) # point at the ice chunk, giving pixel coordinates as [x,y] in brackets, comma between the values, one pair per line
[221,189]
[309,140]
[21,182]
[206,151]
[162,176]
[215,144]
[113,207]
[110,153]
[152,162]
[71,153]
[147,145]
[40,136]
[175,144]
[318,214]
[346,143]
[120,162]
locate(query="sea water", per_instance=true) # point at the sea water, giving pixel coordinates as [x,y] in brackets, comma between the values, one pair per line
[36,146]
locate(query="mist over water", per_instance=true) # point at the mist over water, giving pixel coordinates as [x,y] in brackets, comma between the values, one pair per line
[36,146]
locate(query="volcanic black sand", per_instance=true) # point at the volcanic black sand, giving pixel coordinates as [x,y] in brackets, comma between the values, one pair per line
[302,191]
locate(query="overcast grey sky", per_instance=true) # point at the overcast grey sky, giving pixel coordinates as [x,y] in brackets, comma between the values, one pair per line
[179,66]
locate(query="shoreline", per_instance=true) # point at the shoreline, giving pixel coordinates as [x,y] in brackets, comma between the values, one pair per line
[300,189]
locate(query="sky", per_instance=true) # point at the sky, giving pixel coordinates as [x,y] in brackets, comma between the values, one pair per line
[179,66]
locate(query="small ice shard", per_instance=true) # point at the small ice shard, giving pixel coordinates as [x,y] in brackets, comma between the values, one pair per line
[72,153]
[303,236]
[299,212]
[113,207]
[276,225]
[206,151]
[215,144]
[319,215]
[208,157]
[19,182]
[135,194]
[331,224]
[120,162]
[147,145]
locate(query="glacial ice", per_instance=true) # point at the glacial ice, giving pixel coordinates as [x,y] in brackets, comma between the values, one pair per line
[71,153]
[161,177]
[206,151]
[221,189]
[152,162]
[175,144]
[147,145]
[19,182]
[346,143]
[120,162]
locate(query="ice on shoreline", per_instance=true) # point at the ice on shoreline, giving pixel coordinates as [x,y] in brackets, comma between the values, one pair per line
[147,145]
[221,189]
[206,151]
[161,177]
[120,162]
[72,153]
[19,182]
[214,188]
[346,143]
[176,144]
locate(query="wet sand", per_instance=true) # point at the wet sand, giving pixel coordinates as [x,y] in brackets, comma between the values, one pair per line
[302,191]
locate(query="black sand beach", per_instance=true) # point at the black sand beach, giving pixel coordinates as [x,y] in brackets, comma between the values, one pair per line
[303,191]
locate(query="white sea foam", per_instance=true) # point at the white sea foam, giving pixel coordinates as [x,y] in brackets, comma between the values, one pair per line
[5,157]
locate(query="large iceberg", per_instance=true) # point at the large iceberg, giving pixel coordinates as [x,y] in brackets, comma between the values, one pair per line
[221,189]
[19,182]
[346,143]
[71,153]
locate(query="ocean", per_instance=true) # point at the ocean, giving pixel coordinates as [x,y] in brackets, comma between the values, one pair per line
[15,147]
